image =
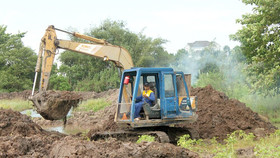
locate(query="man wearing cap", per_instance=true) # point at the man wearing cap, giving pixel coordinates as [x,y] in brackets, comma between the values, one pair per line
[147,96]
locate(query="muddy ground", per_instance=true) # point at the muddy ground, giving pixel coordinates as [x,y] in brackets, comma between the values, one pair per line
[218,116]
[21,137]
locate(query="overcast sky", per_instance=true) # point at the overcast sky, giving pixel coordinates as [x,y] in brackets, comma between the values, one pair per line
[178,21]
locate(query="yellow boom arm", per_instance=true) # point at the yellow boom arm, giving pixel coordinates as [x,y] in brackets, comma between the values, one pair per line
[96,47]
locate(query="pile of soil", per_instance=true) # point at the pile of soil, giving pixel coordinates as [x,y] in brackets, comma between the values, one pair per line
[70,147]
[218,115]
[13,123]
[19,136]
[55,105]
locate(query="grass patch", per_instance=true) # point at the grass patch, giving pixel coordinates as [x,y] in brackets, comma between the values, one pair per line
[93,105]
[16,104]
[267,106]
[268,146]
[145,138]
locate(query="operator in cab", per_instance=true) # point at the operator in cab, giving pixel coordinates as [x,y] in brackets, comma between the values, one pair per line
[148,96]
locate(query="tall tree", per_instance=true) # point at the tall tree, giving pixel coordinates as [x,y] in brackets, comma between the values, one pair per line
[82,70]
[17,62]
[260,44]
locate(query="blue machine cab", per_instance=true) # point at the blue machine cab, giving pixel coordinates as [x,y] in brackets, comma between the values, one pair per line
[172,105]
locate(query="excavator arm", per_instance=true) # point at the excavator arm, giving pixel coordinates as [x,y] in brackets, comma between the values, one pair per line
[97,48]
[48,48]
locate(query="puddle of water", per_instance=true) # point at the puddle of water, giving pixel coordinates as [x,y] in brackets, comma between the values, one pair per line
[31,113]
[67,130]
[34,113]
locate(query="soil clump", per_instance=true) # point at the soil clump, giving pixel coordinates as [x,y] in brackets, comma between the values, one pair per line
[55,105]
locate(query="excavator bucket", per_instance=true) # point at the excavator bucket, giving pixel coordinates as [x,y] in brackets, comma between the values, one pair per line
[55,105]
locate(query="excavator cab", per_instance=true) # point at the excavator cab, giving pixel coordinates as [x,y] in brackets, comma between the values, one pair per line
[172,104]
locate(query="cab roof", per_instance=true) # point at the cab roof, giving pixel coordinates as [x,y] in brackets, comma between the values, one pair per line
[150,69]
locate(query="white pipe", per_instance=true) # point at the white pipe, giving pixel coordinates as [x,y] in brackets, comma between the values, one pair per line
[34,84]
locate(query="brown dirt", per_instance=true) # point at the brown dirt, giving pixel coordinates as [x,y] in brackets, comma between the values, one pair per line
[21,137]
[218,115]
[18,95]
[55,105]
[245,153]
[70,147]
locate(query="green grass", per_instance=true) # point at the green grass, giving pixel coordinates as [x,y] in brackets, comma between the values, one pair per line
[266,106]
[145,138]
[268,146]
[93,105]
[16,104]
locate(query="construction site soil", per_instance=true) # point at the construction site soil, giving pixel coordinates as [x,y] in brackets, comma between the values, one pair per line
[218,116]
[21,137]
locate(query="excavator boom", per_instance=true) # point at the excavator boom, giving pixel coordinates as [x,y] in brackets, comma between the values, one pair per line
[48,48]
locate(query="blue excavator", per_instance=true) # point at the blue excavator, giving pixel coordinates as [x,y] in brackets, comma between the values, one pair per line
[167,118]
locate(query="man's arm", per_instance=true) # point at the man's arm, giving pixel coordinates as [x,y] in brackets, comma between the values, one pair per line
[152,97]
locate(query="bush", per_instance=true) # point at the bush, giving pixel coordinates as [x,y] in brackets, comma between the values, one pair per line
[58,82]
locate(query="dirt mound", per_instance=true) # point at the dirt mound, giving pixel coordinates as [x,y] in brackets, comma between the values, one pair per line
[70,147]
[20,136]
[54,105]
[110,95]
[13,123]
[218,115]
[87,95]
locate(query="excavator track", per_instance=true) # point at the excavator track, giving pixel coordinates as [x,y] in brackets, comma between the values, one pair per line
[132,136]
[162,134]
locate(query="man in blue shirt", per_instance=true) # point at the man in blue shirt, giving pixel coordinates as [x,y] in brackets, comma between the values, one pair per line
[148,96]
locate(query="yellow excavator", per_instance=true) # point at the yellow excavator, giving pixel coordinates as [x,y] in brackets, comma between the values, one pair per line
[173,105]
[56,108]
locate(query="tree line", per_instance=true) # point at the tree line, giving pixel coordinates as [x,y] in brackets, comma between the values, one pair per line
[258,55]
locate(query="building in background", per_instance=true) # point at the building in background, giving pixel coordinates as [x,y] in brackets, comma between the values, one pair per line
[201,45]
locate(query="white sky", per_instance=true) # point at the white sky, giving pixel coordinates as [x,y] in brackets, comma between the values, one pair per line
[178,21]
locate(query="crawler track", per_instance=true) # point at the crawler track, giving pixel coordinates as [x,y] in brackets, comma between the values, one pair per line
[162,134]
